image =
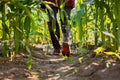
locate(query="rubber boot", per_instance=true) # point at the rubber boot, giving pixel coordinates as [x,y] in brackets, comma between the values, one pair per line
[65,44]
[65,49]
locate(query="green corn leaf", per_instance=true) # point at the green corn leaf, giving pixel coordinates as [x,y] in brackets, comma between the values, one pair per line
[29,62]
[27,25]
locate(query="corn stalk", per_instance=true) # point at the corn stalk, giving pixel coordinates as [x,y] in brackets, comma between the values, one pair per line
[116,24]
[96,25]
[4,30]
[101,18]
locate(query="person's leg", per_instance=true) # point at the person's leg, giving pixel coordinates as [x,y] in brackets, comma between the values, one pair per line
[57,32]
[66,32]
[54,39]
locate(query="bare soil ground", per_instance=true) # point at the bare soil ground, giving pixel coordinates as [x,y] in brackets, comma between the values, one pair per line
[51,67]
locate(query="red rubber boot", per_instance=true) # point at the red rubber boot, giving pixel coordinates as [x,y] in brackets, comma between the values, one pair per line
[66,49]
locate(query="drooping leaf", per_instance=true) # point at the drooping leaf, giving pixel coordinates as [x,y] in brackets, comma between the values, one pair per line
[29,62]
[110,53]
[118,56]
[108,34]
[99,50]
[80,59]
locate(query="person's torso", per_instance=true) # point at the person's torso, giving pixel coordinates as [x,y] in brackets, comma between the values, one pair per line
[69,3]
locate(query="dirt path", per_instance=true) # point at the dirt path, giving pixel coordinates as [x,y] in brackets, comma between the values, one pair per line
[55,67]
[93,68]
[50,67]
[44,67]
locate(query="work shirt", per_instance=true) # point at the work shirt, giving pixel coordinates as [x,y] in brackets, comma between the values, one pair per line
[69,3]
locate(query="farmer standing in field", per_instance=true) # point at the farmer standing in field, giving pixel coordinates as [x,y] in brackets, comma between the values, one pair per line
[55,35]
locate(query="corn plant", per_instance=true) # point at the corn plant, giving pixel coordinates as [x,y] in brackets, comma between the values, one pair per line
[116,26]
[17,22]
[105,17]
[5,29]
